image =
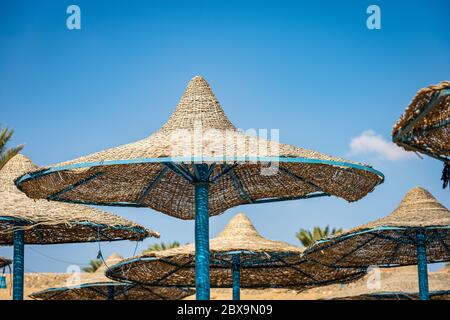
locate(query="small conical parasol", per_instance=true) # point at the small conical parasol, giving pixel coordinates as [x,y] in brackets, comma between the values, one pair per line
[95,286]
[27,221]
[198,165]
[240,257]
[425,125]
[417,232]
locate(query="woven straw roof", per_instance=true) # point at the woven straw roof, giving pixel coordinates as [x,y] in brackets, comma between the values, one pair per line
[264,263]
[50,222]
[4,262]
[399,283]
[94,286]
[135,174]
[391,240]
[427,129]
[434,295]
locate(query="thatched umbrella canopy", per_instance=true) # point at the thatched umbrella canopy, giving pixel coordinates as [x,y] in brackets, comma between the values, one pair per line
[27,221]
[198,165]
[396,284]
[417,232]
[425,125]
[4,262]
[434,295]
[96,286]
[240,257]
[48,222]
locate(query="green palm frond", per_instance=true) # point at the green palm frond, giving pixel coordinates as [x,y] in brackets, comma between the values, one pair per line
[307,238]
[93,266]
[7,153]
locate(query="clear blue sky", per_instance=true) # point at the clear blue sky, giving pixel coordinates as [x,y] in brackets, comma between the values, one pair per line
[309,68]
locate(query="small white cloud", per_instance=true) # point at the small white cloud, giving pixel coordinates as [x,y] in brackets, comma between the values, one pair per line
[370,143]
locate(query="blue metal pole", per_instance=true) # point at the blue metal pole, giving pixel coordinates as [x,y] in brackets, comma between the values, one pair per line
[236,274]
[202,282]
[111,293]
[422,266]
[18,264]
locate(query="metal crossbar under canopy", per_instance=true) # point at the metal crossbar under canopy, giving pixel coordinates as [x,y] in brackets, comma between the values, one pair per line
[416,233]
[240,257]
[196,166]
[24,221]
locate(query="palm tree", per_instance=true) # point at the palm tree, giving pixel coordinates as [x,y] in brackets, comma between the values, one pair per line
[307,238]
[93,266]
[161,246]
[7,153]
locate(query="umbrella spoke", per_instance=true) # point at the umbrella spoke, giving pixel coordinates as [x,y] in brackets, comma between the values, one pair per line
[179,171]
[239,187]
[297,177]
[179,267]
[294,268]
[355,249]
[151,185]
[80,182]
[224,171]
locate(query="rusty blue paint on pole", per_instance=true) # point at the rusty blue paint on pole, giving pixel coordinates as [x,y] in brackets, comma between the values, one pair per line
[18,264]
[202,281]
[422,266]
[236,274]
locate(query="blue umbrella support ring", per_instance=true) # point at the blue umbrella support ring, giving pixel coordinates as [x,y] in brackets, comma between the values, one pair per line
[18,264]
[422,266]
[236,274]
[202,282]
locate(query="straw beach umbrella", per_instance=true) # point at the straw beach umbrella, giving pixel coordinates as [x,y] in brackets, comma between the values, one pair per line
[26,221]
[417,232]
[198,165]
[425,125]
[434,295]
[240,257]
[395,283]
[96,286]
